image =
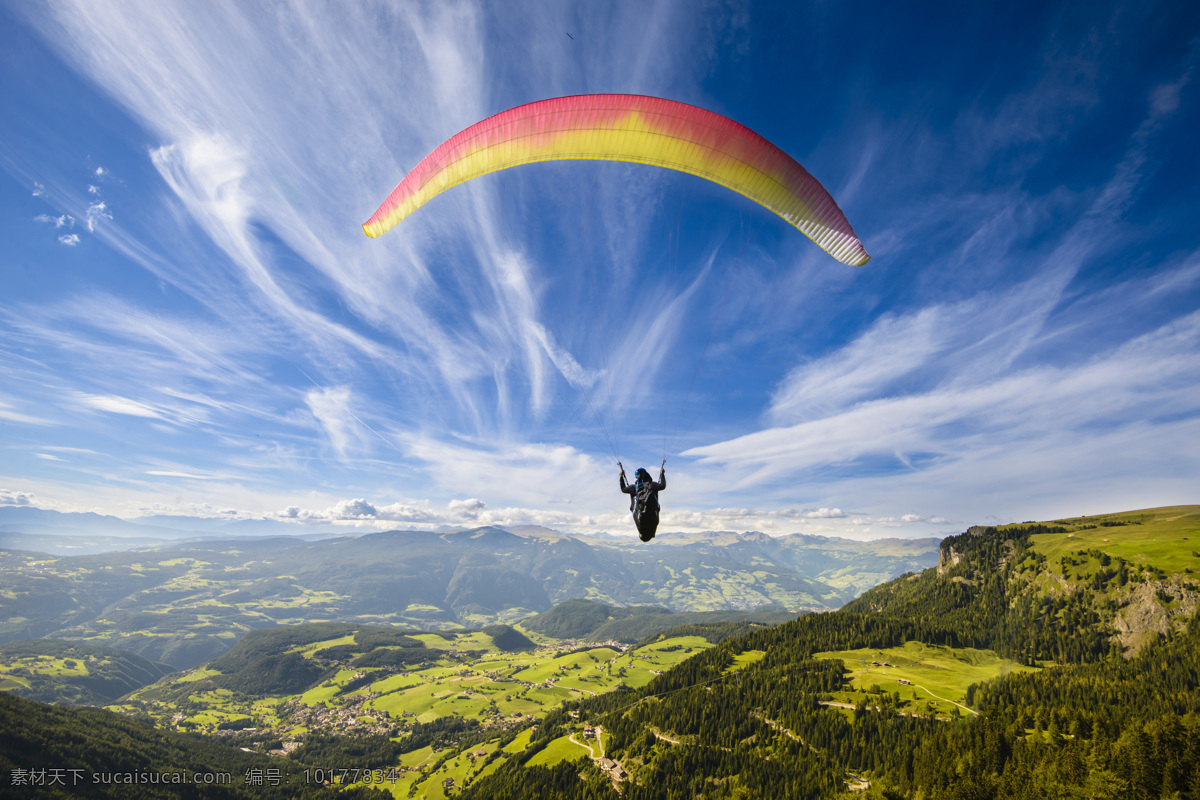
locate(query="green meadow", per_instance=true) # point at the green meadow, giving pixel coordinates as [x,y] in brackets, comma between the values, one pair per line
[561,749]
[47,665]
[1168,538]
[745,659]
[935,675]
[473,680]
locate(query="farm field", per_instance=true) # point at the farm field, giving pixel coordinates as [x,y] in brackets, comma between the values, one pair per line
[186,603]
[472,680]
[923,676]
[72,672]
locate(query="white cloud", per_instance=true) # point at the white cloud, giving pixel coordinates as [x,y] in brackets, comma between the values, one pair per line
[61,221]
[8,413]
[955,422]
[70,239]
[95,212]
[48,457]
[361,510]
[825,513]
[352,509]
[405,512]
[462,338]
[177,474]
[119,405]
[515,474]
[331,408]
[11,498]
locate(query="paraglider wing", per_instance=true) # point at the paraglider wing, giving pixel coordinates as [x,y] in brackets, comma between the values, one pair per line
[644,130]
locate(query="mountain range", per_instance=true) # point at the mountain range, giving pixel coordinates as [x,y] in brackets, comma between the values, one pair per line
[1045,659]
[185,602]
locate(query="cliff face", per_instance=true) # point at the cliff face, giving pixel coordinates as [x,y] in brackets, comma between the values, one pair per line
[948,557]
[1076,588]
[1153,609]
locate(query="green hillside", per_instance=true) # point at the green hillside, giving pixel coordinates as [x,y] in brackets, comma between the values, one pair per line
[1045,659]
[289,684]
[1009,671]
[1067,591]
[57,671]
[590,621]
[577,618]
[49,751]
[509,639]
[349,697]
[185,603]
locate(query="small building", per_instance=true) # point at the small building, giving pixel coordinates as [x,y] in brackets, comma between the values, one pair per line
[607,764]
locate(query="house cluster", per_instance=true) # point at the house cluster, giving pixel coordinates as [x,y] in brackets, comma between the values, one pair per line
[228,732]
[572,645]
[906,683]
[877,664]
[287,749]
[353,717]
[612,767]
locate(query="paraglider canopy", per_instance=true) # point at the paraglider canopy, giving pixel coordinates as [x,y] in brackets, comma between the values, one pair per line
[625,127]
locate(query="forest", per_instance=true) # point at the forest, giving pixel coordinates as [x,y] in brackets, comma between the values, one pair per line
[1091,720]
[1095,618]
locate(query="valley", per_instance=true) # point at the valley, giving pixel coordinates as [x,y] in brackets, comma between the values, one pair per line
[185,603]
[1041,658]
[460,702]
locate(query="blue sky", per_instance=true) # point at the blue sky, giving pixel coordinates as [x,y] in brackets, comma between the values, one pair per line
[192,321]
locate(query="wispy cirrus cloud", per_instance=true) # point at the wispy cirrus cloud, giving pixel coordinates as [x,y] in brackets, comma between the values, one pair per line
[8,412]
[119,405]
[967,427]
[511,338]
[331,408]
[218,160]
[177,474]
[951,383]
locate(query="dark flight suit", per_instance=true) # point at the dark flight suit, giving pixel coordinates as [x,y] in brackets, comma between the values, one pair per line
[644,501]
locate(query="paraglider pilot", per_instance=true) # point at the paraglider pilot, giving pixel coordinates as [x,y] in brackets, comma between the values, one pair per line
[643,501]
